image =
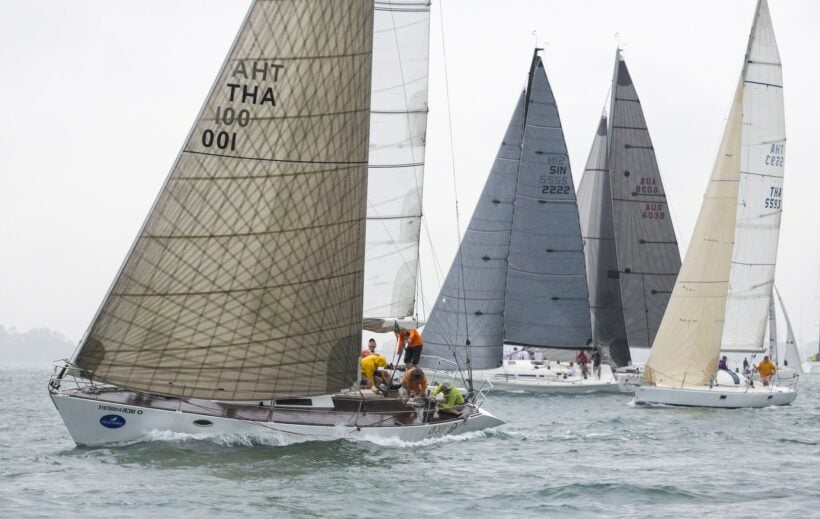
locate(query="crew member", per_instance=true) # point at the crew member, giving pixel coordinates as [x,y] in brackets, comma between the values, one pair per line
[411,343]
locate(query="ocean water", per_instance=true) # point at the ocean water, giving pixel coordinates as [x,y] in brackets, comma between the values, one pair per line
[557,456]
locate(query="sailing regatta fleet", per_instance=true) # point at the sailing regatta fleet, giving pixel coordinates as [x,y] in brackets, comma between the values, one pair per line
[290,223]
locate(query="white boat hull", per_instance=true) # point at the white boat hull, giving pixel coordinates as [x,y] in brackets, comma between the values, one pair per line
[97,422]
[729,397]
[545,378]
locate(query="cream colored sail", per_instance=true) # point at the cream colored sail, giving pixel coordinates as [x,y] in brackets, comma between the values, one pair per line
[246,279]
[726,279]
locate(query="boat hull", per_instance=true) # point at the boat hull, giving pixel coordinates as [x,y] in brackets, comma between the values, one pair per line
[717,396]
[545,378]
[94,422]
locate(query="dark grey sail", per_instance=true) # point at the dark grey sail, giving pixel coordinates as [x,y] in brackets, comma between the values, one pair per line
[647,250]
[519,275]
[597,229]
[472,297]
[546,300]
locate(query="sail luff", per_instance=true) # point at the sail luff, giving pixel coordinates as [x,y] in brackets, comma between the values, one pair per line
[597,229]
[396,160]
[246,280]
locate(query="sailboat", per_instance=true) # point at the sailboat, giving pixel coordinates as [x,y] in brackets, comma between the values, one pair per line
[631,251]
[518,278]
[721,298]
[790,370]
[239,307]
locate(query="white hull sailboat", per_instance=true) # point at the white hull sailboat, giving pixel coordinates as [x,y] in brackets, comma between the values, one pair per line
[630,247]
[547,377]
[240,307]
[721,299]
[518,276]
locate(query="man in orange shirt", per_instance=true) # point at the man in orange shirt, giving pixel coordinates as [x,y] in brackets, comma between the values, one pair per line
[414,383]
[412,341]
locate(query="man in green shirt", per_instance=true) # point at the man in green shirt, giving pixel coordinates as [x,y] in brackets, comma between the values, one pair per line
[452,398]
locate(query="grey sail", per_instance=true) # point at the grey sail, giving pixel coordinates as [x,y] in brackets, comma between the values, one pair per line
[546,298]
[246,279]
[519,274]
[472,297]
[647,250]
[597,229]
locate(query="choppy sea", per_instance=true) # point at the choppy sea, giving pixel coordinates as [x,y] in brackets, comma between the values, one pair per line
[557,456]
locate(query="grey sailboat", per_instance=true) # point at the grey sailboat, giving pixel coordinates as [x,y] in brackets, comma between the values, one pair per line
[239,308]
[631,251]
[519,276]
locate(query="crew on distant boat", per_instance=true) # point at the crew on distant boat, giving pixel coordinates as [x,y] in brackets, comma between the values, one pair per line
[411,343]
[723,363]
[583,361]
[371,348]
[746,369]
[766,369]
[596,363]
[414,384]
[453,399]
[371,372]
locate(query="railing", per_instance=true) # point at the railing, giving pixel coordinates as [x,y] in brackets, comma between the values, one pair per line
[479,395]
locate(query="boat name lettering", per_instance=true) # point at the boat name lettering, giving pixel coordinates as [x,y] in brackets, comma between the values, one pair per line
[775,198]
[123,410]
[776,155]
[654,211]
[441,430]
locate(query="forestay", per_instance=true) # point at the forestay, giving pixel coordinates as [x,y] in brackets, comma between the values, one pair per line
[246,279]
[398,124]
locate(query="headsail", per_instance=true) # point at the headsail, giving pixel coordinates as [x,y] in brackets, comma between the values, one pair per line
[597,229]
[519,273]
[648,256]
[245,281]
[398,125]
[472,297]
[721,298]
[791,355]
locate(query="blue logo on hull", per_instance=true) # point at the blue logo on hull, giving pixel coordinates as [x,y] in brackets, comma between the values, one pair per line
[112,421]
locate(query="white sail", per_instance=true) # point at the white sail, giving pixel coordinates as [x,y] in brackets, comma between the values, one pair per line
[791,355]
[398,125]
[726,279]
[760,193]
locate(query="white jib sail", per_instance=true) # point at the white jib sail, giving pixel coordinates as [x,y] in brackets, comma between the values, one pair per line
[398,125]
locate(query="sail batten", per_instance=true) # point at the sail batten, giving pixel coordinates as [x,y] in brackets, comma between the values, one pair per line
[257,235]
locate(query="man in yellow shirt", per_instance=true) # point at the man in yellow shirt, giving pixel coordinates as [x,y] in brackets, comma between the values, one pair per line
[766,369]
[370,366]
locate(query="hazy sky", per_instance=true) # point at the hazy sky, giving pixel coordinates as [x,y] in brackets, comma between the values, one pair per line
[98,97]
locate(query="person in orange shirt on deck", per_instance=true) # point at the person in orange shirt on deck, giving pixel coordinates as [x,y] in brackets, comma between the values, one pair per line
[766,369]
[414,383]
[411,343]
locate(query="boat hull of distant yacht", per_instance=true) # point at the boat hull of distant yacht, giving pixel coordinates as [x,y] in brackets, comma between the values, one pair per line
[99,417]
[545,378]
[729,397]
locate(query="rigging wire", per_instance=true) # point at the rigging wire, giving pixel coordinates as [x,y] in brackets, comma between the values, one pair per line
[455,192]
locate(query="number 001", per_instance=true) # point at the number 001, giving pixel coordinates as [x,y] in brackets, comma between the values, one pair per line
[222,140]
